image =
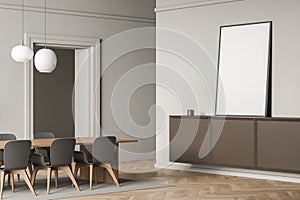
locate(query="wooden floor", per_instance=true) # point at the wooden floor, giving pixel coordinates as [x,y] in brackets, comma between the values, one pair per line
[191,185]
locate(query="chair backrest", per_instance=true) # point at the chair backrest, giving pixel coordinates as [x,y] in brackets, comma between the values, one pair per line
[61,152]
[43,135]
[16,154]
[104,149]
[7,136]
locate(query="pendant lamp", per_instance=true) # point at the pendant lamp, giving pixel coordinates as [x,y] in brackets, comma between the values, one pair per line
[22,53]
[45,59]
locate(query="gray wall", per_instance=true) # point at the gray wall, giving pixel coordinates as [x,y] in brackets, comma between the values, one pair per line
[139,103]
[53,96]
[82,18]
[201,22]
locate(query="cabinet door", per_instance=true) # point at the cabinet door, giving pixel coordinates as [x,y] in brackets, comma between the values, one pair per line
[278,145]
[235,145]
[186,137]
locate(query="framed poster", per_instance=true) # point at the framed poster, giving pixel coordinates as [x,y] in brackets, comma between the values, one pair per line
[244,70]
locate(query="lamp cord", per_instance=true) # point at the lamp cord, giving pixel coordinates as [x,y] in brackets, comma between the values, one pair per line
[22,36]
[45,23]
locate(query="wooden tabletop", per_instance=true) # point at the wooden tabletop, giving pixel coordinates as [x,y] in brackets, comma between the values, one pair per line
[79,141]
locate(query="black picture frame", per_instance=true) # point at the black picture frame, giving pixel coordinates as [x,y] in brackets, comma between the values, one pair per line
[268,85]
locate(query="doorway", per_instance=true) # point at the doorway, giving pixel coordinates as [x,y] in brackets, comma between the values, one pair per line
[52,99]
[52,95]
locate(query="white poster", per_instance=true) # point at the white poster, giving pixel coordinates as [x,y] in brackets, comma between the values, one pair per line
[244,69]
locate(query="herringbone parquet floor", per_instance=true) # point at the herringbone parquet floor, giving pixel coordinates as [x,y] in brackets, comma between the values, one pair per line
[199,186]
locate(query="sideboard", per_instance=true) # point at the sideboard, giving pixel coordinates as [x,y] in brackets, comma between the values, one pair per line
[244,142]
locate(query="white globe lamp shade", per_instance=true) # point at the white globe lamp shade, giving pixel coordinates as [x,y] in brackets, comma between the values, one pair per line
[45,60]
[22,53]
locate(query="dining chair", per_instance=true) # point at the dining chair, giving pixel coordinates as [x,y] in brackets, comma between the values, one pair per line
[44,135]
[103,154]
[16,157]
[7,136]
[61,155]
[45,151]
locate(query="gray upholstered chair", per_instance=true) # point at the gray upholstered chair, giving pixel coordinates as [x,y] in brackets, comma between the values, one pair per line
[7,136]
[61,155]
[45,151]
[103,154]
[16,157]
[44,135]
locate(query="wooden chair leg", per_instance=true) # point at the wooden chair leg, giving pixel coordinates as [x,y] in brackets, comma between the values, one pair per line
[56,178]
[19,179]
[12,182]
[111,172]
[2,174]
[91,176]
[33,175]
[29,166]
[76,172]
[27,180]
[69,172]
[8,180]
[49,171]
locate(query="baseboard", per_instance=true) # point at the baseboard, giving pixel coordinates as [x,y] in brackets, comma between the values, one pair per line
[257,174]
[135,157]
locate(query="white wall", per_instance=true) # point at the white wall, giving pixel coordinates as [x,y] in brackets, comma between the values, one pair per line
[201,23]
[83,18]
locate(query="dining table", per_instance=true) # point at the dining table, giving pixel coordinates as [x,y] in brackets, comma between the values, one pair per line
[85,143]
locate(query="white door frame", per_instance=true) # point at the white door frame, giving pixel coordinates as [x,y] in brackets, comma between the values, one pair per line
[94,75]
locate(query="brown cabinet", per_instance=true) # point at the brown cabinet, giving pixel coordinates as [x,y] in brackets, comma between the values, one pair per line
[235,146]
[253,143]
[278,145]
[186,138]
